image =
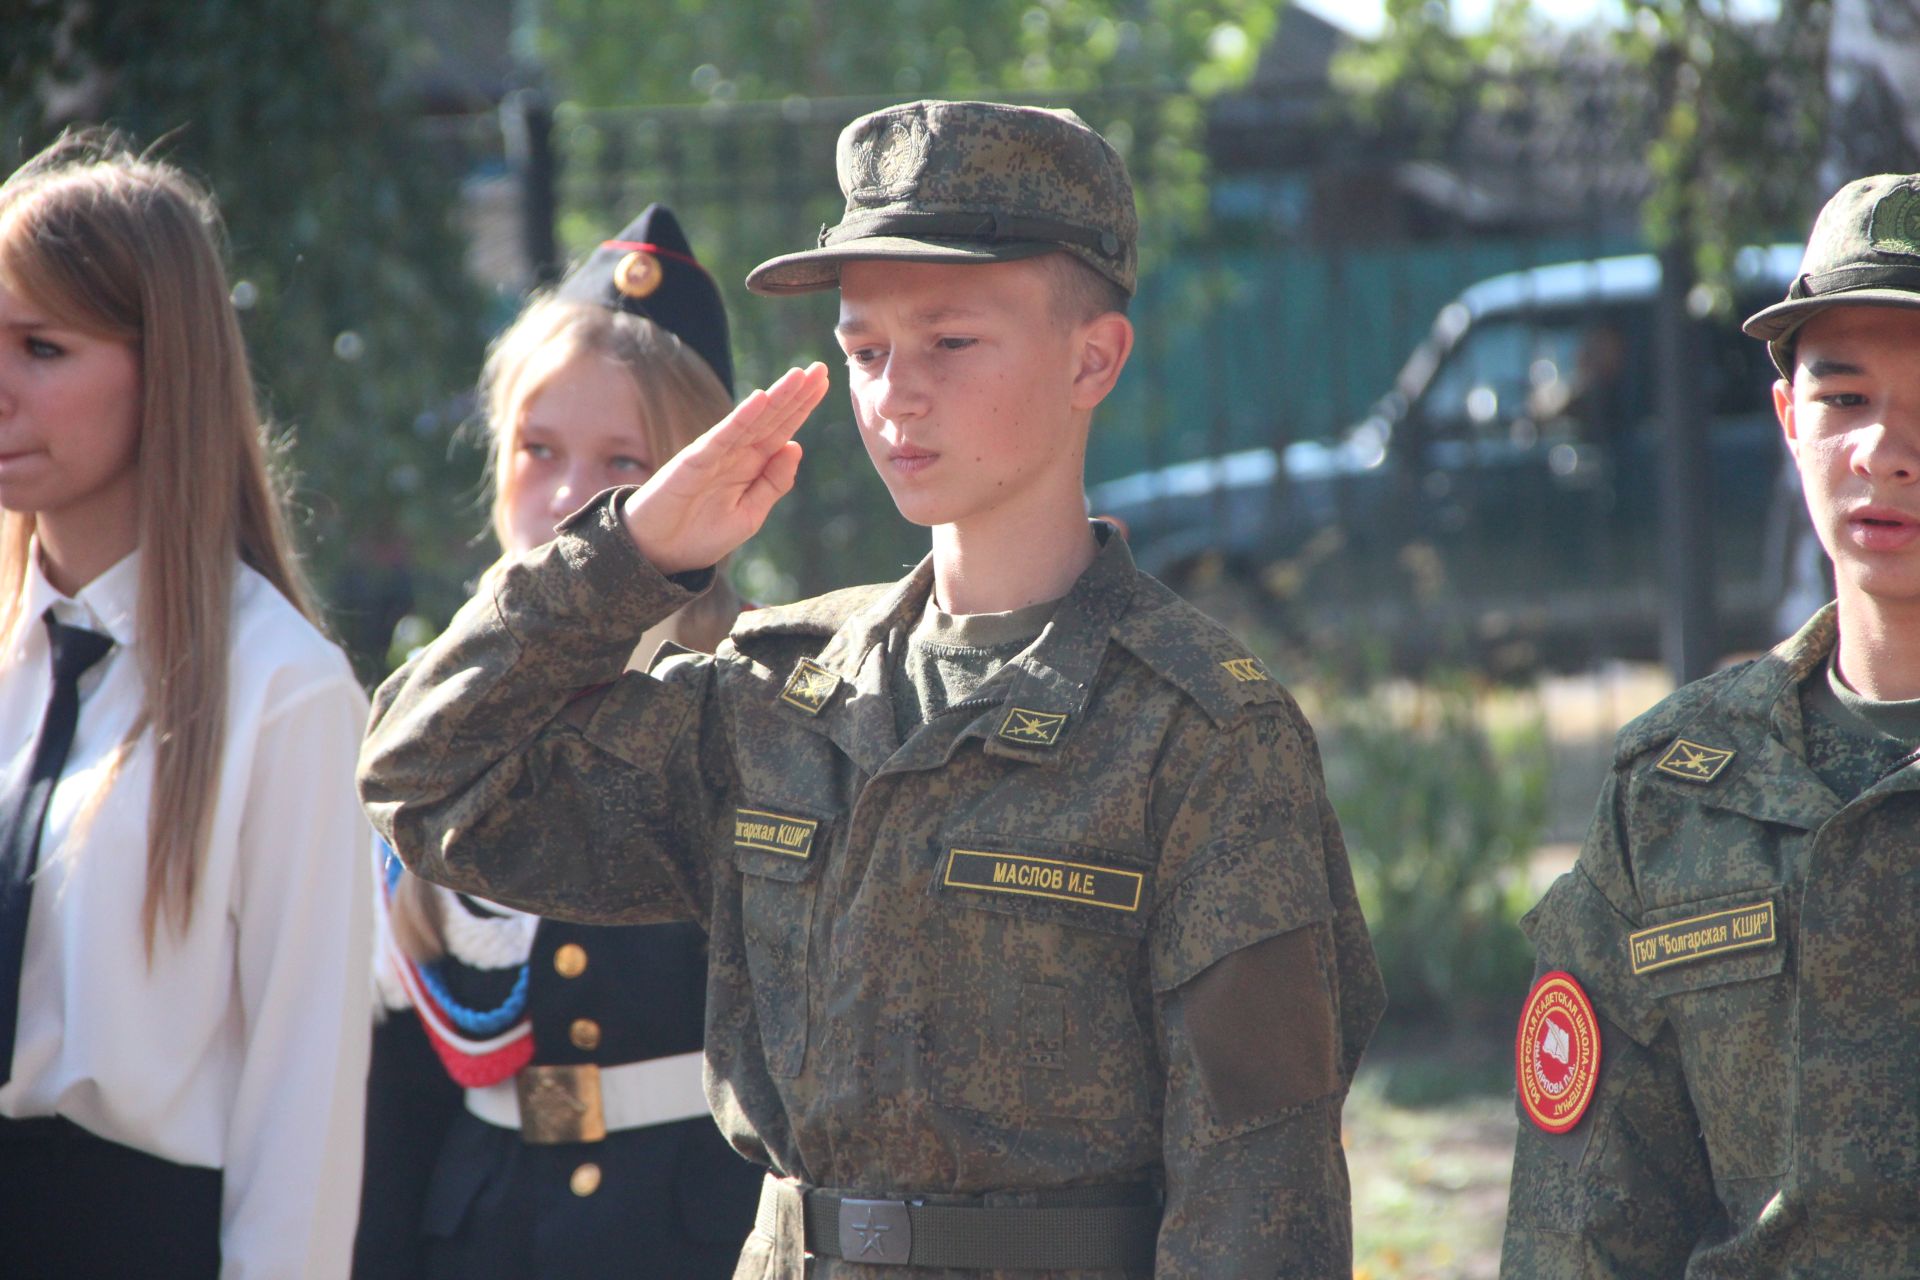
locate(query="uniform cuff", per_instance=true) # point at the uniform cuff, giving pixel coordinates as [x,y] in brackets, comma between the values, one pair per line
[589,592]
[597,547]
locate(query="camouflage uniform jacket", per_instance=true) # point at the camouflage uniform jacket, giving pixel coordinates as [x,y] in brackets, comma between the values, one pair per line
[1095,928]
[1758,1106]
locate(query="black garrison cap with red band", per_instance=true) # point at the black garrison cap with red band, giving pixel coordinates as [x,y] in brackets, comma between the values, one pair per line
[650,271]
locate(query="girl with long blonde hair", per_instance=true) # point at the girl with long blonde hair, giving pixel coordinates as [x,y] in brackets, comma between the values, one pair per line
[543,1113]
[185,1013]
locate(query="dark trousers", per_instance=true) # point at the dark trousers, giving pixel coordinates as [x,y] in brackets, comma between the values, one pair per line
[674,1203]
[77,1207]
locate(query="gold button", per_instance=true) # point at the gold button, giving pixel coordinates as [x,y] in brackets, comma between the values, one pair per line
[637,275]
[585,1033]
[570,961]
[585,1180]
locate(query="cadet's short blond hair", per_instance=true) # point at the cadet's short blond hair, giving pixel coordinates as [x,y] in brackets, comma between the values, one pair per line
[1079,292]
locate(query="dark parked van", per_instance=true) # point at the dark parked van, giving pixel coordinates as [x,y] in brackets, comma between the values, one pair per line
[1502,499]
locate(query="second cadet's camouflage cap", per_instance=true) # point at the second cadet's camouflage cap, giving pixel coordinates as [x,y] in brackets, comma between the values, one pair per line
[970,182]
[1864,251]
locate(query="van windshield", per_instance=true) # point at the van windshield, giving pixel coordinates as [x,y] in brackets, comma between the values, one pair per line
[1575,372]
[1586,374]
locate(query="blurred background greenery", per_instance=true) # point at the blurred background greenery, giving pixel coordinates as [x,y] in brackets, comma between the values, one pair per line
[396,175]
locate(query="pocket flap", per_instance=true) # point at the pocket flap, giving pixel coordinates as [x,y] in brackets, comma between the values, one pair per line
[787,763]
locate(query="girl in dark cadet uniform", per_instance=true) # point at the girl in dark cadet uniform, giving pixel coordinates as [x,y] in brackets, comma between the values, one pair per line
[540,1110]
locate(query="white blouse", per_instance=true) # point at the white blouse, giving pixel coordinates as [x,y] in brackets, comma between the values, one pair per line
[243,1045]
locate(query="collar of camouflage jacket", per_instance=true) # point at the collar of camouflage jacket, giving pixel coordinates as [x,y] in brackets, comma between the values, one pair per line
[1029,707]
[1756,715]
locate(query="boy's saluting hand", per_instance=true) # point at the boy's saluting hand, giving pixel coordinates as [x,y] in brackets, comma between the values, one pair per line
[715,494]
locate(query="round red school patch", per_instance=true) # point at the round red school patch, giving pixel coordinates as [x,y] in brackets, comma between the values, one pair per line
[1557,1052]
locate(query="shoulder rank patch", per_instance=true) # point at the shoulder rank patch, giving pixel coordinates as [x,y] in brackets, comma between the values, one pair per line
[774,832]
[1032,877]
[1694,762]
[809,687]
[1698,937]
[1557,1052]
[1246,670]
[1033,728]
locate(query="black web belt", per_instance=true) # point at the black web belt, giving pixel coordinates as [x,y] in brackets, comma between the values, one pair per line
[1109,1229]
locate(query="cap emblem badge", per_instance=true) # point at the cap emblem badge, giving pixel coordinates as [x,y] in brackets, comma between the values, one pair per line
[888,161]
[637,275]
[1895,224]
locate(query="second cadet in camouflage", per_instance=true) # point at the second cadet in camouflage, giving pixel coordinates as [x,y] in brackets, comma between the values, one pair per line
[1716,1070]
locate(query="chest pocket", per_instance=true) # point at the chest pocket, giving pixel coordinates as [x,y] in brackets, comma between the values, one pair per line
[777,849]
[793,789]
[1042,956]
[1718,967]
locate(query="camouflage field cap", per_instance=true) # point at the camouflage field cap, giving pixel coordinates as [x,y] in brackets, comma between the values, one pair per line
[1864,251]
[970,182]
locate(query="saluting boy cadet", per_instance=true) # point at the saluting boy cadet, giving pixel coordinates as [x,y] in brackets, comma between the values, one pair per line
[1034,946]
[1719,1068]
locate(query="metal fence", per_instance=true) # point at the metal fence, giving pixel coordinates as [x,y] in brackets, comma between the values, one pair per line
[1377,440]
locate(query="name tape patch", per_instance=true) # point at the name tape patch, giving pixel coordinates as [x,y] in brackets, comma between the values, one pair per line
[1694,762]
[1557,1052]
[1055,878]
[774,832]
[1698,937]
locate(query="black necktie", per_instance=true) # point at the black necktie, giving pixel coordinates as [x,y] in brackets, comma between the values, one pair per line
[24,812]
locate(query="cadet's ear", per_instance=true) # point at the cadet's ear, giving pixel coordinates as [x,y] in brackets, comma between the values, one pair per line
[1101,347]
[1783,410]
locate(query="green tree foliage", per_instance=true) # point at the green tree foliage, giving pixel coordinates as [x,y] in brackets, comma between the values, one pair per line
[1738,108]
[1423,75]
[1743,113]
[1441,789]
[361,319]
[1171,54]
[691,51]
[729,113]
